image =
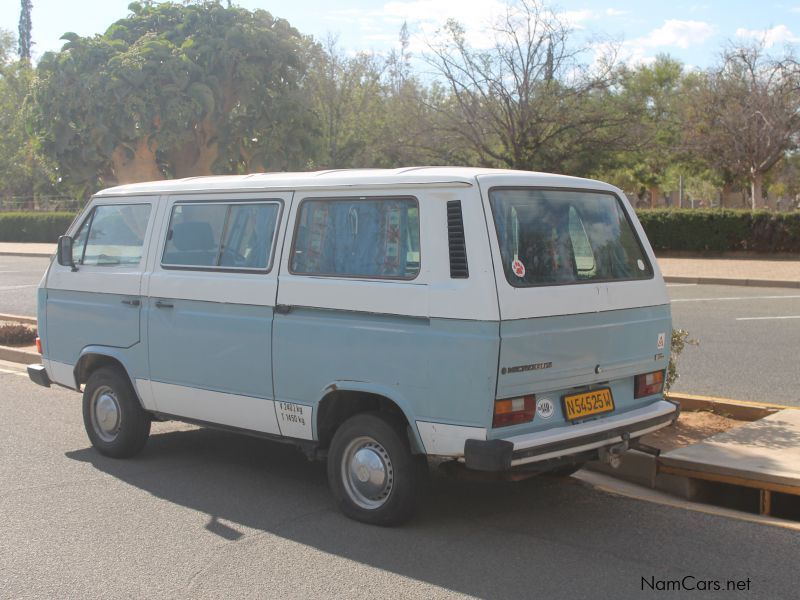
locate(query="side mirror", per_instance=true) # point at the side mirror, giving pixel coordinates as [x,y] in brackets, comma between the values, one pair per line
[65,252]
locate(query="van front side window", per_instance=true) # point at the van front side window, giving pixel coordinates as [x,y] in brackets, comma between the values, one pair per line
[551,237]
[358,237]
[115,235]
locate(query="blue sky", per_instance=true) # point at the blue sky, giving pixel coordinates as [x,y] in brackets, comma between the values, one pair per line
[692,31]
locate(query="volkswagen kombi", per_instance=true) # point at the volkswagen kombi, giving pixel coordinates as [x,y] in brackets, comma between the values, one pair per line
[510,321]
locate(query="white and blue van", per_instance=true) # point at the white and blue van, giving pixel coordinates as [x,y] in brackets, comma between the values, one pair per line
[510,321]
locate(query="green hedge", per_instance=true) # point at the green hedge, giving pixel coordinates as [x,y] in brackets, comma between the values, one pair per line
[33,227]
[698,230]
[710,230]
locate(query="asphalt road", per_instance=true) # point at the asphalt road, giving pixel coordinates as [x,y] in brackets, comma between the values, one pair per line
[755,359]
[749,342]
[205,514]
[19,278]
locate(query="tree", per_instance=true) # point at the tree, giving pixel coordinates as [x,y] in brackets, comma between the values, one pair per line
[176,90]
[652,94]
[348,100]
[744,116]
[528,102]
[25,29]
[23,171]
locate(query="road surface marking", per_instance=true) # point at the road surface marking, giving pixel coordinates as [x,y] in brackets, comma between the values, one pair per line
[766,318]
[5,288]
[21,373]
[734,298]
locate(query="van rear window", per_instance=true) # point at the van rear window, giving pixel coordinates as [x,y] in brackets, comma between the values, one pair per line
[556,237]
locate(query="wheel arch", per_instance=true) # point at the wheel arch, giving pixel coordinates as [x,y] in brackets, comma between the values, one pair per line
[343,399]
[95,357]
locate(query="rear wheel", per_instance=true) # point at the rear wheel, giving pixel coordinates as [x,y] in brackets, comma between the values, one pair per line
[371,471]
[116,423]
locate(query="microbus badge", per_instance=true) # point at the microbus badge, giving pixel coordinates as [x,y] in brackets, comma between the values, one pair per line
[523,368]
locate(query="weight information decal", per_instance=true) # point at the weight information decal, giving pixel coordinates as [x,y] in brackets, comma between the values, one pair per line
[294,420]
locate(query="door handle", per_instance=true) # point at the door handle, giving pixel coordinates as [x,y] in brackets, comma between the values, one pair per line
[283,309]
[131,301]
[163,304]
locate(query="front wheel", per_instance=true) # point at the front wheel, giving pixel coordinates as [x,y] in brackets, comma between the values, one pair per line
[371,471]
[116,423]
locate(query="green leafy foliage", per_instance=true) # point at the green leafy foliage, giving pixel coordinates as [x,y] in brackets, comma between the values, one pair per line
[709,230]
[680,337]
[44,227]
[175,90]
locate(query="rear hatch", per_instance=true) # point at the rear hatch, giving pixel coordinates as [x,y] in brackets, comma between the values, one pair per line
[583,307]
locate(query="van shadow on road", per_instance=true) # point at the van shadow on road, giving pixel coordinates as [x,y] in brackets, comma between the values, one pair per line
[557,537]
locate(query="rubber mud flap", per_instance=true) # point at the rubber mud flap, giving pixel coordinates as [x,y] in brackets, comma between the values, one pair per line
[488,455]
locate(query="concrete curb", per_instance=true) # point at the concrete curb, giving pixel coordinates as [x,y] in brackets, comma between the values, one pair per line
[16,355]
[18,319]
[643,469]
[732,281]
[741,410]
[28,254]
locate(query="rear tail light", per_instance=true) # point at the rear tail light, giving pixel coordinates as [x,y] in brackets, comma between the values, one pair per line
[513,411]
[648,384]
[38,345]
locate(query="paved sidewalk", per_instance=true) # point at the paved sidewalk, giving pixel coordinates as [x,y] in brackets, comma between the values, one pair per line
[764,451]
[732,271]
[18,249]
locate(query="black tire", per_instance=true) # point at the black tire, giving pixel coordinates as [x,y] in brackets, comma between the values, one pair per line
[387,498]
[116,423]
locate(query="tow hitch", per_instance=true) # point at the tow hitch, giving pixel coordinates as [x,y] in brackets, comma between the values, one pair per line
[612,455]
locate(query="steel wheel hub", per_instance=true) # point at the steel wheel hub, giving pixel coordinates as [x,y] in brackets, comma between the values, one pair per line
[106,414]
[367,473]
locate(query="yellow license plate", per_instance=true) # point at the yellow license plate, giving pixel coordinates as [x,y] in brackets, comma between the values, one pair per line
[596,402]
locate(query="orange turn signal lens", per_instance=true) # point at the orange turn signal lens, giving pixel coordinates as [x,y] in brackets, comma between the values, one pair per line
[512,411]
[39,345]
[648,384]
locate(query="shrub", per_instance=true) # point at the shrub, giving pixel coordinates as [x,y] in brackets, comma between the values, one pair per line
[17,335]
[713,230]
[34,226]
[680,337]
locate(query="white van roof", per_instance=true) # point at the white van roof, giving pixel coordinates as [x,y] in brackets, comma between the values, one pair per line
[344,178]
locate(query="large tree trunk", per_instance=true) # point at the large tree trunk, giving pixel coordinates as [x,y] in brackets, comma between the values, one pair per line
[194,159]
[655,193]
[756,192]
[135,163]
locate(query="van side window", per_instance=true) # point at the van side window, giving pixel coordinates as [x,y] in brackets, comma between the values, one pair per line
[113,235]
[357,237]
[221,235]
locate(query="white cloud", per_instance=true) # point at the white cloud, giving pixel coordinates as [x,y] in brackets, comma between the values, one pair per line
[576,18]
[424,18]
[677,34]
[779,34]
[672,34]
[615,12]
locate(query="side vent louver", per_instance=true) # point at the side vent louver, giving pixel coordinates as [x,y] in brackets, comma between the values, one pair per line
[455,237]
